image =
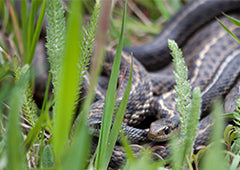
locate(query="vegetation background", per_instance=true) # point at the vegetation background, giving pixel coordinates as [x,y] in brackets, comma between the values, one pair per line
[44,139]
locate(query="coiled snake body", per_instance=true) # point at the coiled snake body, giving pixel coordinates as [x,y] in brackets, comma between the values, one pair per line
[213,58]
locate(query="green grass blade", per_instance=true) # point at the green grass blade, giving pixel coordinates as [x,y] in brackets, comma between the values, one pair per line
[134,26]
[4,14]
[177,150]
[121,110]
[47,157]
[100,41]
[230,32]
[233,20]
[33,134]
[15,23]
[235,162]
[214,158]
[30,29]
[109,106]
[24,19]
[81,132]
[37,31]
[175,4]
[67,84]
[192,122]
[45,99]
[78,154]
[14,139]
[128,150]
[118,122]
[115,33]
[162,8]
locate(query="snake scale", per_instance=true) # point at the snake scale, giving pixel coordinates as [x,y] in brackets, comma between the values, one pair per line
[213,58]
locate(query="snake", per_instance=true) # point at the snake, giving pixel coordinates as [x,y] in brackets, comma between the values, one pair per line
[213,58]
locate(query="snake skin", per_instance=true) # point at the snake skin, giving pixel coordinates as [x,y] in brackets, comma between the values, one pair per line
[181,27]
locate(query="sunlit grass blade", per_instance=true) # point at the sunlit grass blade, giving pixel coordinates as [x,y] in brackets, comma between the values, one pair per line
[81,135]
[68,84]
[230,32]
[214,158]
[121,110]
[14,139]
[192,122]
[101,162]
[100,38]
[77,155]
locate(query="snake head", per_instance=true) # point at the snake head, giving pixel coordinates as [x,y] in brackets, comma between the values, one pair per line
[161,130]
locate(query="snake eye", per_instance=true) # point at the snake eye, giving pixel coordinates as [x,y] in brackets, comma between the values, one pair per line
[166,130]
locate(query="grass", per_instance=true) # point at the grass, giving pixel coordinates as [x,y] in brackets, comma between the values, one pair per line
[14,149]
[69,48]
[107,140]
